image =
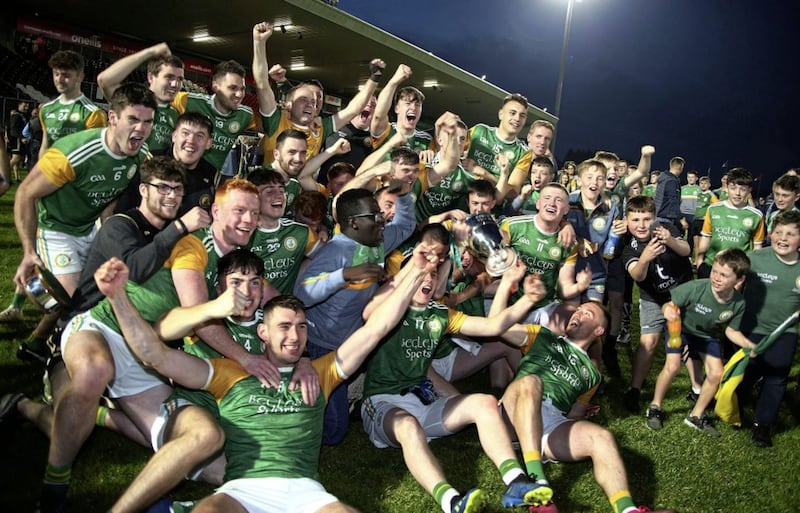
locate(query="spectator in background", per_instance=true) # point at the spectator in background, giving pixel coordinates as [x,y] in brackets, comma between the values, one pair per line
[668,194]
[71,111]
[33,134]
[689,204]
[15,141]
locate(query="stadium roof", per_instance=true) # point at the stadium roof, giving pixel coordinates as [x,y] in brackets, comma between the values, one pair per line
[333,46]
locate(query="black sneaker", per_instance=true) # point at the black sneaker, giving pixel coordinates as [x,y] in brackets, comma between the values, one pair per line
[655,417]
[692,397]
[701,424]
[761,436]
[631,400]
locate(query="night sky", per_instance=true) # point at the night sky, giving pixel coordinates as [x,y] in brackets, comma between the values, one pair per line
[713,81]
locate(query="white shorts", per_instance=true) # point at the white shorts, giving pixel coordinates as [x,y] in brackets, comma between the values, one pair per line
[62,253]
[430,416]
[278,494]
[130,377]
[551,419]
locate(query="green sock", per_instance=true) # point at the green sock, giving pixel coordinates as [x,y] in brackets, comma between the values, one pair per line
[57,475]
[621,501]
[510,469]
[17,301]
[100,419]
[533,466]
[443,493]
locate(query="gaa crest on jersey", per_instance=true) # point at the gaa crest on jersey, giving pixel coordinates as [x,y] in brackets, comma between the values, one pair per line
[584,372]
[234,127]
[555,252]
[290,243]
[747,222]
[725,316]
[797,283]
[74,117]
[131,171]
[599,224]
[435,327]
[457,186]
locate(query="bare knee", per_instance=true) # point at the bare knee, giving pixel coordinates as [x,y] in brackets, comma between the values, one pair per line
[406,428]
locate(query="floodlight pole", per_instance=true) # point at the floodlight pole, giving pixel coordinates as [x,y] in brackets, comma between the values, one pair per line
[562,69]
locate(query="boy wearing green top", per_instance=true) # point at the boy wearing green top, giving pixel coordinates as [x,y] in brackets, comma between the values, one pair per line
[709,308]
[772,294]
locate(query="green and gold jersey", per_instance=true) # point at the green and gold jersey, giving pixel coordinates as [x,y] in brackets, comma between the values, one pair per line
[701,314]
[227,127]
[270,432]
[731,227]
[244,333]
[418,141]
[160,140]
[60,118]
[279,121]
[404,355]
[484,144]
[568,375]
[540,251]
[157,295]
[451,193]
[88,175]
[704,199]
[282,249]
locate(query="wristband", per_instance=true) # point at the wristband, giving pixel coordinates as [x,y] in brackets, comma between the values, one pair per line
[376,72]
[182,225]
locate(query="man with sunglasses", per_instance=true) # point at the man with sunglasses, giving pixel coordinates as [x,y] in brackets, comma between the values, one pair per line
[343,277]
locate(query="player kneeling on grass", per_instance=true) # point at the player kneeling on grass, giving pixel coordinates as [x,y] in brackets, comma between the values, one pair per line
[273,438]
[556,373]
[706,308]
[402,409]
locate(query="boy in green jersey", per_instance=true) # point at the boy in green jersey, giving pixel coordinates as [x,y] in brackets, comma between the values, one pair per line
[771,294]
[708,309]
[731,223]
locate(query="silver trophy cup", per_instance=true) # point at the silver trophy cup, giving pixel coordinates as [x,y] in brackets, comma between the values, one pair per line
[490,243]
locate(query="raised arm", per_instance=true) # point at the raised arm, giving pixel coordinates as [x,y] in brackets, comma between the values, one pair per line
[360,100]
[643,169]
[451,152]
[111,78]
[352,353]
[186,369]
[306,176]
[192,290]
[380,118]
[181,321]
[266,97]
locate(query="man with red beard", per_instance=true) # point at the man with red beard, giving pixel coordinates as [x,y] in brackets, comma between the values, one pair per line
[97,356]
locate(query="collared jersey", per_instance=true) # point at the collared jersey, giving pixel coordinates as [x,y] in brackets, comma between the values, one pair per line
[227,127]
[60,118]
[88,175]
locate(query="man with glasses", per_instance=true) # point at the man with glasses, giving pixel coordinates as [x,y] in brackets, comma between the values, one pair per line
[343,277]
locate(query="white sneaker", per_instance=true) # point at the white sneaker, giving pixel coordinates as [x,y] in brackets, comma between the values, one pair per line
[11,314]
